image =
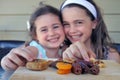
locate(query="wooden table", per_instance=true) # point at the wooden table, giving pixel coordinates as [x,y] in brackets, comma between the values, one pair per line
[111,72]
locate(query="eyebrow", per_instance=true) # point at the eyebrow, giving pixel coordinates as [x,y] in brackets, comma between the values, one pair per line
[57,24]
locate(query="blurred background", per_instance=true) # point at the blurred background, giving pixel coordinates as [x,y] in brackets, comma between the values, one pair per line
[15,13]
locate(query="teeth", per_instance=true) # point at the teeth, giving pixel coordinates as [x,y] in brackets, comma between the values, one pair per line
[53,40]
[75,37]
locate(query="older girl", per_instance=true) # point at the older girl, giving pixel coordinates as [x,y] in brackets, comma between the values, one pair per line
[85,28]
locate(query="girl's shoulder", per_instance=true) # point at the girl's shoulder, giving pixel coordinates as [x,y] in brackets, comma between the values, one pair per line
[114,55]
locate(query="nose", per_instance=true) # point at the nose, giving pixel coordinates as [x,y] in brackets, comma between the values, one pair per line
[51,32]
[72,29]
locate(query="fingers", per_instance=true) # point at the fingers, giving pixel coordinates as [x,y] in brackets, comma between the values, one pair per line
[15,59]
[82,50]
[75,51]
[8,64]
[71,52]
[21,52]
[18,57]
[12,60]
[33,51]
[78,50]
[26,53]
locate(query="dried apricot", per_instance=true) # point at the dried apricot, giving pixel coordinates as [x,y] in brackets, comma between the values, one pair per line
[63,68]
[63,65]
[60,71]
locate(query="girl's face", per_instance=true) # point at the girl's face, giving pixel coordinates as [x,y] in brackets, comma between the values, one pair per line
[49,31]
[77,24]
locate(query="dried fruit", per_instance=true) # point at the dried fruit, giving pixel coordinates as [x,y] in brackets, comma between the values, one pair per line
[76,68]
[63,68]
[94,70]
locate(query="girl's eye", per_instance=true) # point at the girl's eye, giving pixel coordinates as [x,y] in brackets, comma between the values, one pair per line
[43,30]
[78,22]
[56,26]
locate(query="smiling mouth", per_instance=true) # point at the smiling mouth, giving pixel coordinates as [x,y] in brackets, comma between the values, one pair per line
[75,37]
[54,40]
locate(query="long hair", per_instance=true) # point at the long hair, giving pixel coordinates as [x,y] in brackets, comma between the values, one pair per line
[100,38]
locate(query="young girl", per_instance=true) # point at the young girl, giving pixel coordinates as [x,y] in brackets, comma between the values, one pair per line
[47,35]
[85,28]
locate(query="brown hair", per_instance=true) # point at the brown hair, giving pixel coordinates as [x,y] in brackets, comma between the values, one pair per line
[41,10]
[100,38]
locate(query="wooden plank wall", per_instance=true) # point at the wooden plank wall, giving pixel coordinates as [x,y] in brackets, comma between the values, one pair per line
[111,14]
[15,13]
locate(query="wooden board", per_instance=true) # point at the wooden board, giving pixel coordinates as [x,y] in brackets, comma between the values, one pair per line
[111,72]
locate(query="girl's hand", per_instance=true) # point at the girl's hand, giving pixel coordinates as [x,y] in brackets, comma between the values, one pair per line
[78,50]
[18,57]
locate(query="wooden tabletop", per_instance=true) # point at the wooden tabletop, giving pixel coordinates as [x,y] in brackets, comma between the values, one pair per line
[110,72]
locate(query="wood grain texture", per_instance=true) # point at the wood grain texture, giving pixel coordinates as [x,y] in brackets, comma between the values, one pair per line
[111,72]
